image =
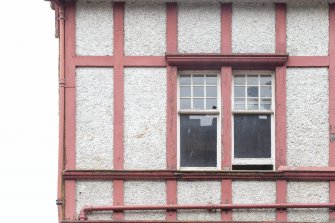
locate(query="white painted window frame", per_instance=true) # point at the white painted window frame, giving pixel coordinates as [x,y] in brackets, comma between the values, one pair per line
[255,161]
[216,112]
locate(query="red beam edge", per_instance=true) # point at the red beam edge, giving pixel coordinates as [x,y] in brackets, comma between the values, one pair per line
[226,79]
[280,28]
[226,198]
[280,110]
[226,28]
[308,61]
[144,61]
[171,108]
[94,61]
[280,100]
[332,103]
[118,122]
[171,27]
[281,197]
[70,108]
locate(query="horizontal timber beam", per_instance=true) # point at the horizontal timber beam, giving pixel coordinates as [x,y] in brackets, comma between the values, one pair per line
[305,174]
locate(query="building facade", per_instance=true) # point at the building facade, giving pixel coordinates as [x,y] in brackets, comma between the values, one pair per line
[198,111]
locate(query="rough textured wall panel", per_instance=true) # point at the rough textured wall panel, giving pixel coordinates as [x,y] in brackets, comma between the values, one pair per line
[308,192]
[94,28]
[199,27]
[94,193]
[254,192]
[307,28]
[145,28]
[145,118]
[145,193]
[94,118]
[307,117]
[198,192]
[253,27]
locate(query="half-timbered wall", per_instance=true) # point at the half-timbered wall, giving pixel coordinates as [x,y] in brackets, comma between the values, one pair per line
[121,102]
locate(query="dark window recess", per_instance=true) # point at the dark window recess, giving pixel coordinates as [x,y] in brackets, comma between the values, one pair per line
[252,136]
[252,167]
[198,141]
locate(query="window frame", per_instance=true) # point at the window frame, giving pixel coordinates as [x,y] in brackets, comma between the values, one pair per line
[217,112]
[254,161]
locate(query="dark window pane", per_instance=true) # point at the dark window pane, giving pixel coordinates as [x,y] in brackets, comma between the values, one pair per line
[252,136]
[252,91]
[198,140]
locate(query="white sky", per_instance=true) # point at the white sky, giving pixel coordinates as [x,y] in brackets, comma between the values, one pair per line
[28,112]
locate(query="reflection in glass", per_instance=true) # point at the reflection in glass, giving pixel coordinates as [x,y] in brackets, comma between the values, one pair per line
[252,79]
[239,80]
[198,140]
[198,91]
[252,104]
[265,80]
[211,79]
[211,103]
[252,91]
[266,92]
[211,91]
[198,80]
[198,103]
[185,103]
[185,91]
[239,91]
[185,79]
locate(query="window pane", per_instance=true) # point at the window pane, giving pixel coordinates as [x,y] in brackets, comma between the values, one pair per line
[252,79]
[198,91]
[266,80]
[239,104]
[198,103]
[211,79]
[252,136]
[252,91]
[211,91]
[185,91]
[198,141]
[211,103]
[185,103]
[239,80]
[239,91]
[266,92]
[252,104]
[265,104]
[198,80]
[185,79]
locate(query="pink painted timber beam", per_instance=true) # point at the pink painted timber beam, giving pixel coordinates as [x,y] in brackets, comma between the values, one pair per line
[118,189]
[171,108]
[70,108]
[226,80]
[332,103]
[280,112]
